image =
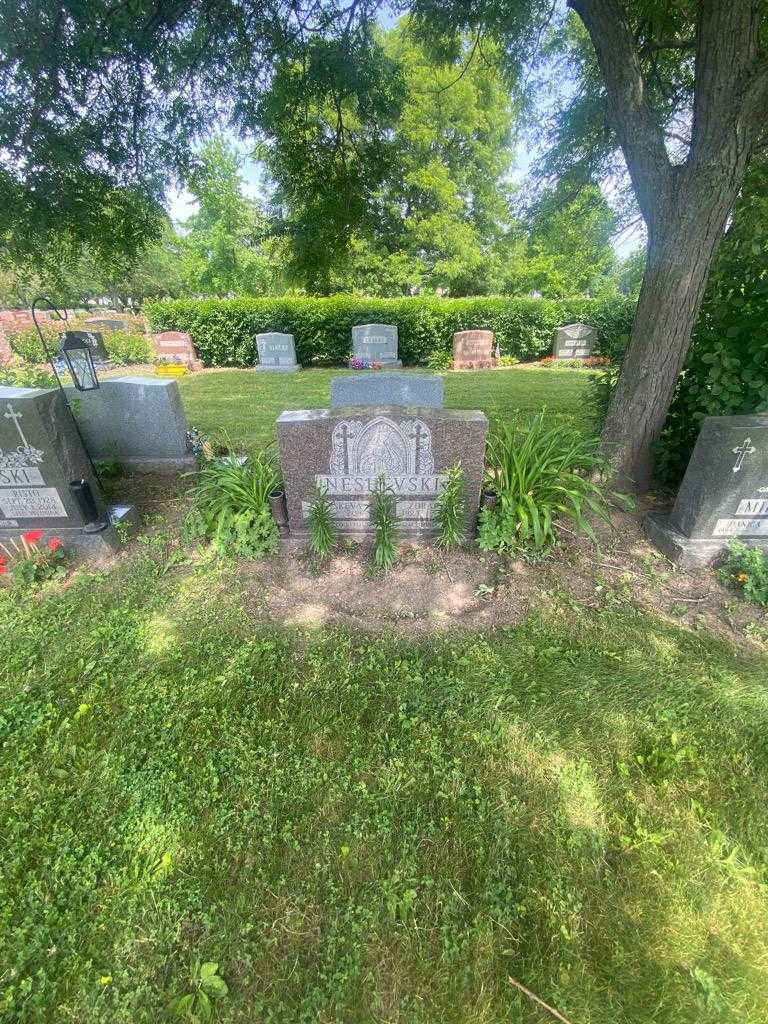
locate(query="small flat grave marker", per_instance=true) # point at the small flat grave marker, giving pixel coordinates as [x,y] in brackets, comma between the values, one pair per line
[724,492]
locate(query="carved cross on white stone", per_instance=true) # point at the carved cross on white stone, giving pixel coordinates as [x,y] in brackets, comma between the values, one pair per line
[345,445]
[741,451]
[15,417]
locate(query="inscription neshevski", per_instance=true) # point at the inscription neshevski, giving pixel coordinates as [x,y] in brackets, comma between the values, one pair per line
[431,484]
[741,528]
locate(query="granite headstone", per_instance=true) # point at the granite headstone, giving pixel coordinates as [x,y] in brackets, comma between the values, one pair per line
[574,341]
[41,456]
[176,347]
[473,350]
[346,450]
[366,389]
[724,493]
[92,340]
[376,343]
[138,420]
[277,352]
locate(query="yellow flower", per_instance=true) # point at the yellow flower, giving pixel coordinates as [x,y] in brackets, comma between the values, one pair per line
[742,577]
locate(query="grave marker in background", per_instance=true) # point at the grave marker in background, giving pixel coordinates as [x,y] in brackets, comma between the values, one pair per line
[473,349]
[574,341]
[366,389]
[176,347]
[724,493]
[112,325]
[88,339]
[376,343]
[277,352]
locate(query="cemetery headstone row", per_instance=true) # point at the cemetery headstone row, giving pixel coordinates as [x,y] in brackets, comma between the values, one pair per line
[376,343]
[574,341]
[277,352]
[473,350]
[176,347]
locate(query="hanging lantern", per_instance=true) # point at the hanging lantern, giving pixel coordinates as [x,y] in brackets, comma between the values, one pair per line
[78,347]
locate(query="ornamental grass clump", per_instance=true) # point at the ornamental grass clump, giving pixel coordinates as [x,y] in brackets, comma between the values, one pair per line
[231,506]
[322,524]
[384,523]
[450,509]
[542,473]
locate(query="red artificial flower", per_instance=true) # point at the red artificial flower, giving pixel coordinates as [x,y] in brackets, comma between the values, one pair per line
[3,568]
[54,543]
[32,536]
[3,559]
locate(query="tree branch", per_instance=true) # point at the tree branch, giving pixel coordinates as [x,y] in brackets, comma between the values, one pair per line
[629,113]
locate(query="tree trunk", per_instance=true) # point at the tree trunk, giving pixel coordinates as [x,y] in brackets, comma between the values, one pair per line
[681,246]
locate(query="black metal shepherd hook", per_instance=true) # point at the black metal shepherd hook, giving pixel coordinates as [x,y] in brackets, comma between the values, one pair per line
[63,316]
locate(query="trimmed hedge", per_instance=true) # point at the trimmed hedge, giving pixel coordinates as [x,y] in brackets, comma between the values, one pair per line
[123,347]
[224,330]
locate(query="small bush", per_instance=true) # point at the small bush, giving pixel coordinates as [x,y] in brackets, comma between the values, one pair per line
[231,506]
[541,473]
[123,347]
[322,525]
[746,568]
[450,509]
[384,524]
[440,359]
[25,375]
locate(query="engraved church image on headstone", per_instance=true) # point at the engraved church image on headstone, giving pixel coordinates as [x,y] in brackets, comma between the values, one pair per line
[574,341]
[724,493]
[43,466]
[345,450]
[277,352]
[376,343]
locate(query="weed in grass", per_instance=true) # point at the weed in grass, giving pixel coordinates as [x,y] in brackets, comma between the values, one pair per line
[746,567]
[450,509]
[322,524]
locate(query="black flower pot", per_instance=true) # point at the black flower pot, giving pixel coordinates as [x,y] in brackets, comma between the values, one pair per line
[489,499]
[279,509]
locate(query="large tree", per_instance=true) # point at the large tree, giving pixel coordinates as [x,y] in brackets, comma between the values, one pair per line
[100,103]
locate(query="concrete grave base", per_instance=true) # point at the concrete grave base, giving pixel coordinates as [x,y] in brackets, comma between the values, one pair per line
[105,542]
[685,551]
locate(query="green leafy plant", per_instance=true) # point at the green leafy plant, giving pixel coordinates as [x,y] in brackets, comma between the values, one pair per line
[231,505]
[439,359]
[508,360]
[384,523]
[208,987]
[450,509]
[746,568]
[542,472]
[26,564]
[23,375]
[322,524]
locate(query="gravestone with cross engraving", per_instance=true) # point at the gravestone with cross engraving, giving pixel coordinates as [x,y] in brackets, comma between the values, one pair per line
[574,341]
[277,352]
[724,492]
[42,466]
[376,343]
[346,450]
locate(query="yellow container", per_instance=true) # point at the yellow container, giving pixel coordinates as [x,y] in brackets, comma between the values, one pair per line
[170,370]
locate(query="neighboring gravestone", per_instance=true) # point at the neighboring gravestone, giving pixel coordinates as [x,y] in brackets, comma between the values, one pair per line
[473,350]
[724,492]
[366,389]
[376,343]
[574,341]
[111,325]
[176,347]
[277,352]
[140,421]
[346,450]
[41,456]
[84,339]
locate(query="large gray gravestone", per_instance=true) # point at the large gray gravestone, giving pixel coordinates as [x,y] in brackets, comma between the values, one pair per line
[41,455]
[574,341]
[368,389]
[277,352]
[376,343]
[140,421]
[346,450]
[88,339]
[724,493]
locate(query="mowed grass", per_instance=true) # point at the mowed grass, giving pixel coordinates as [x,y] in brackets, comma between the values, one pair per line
[245,404]
[367,829]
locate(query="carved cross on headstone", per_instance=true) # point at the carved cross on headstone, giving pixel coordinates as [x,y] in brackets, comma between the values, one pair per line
[416,435]
[15,417]
[345,445]
[741,451]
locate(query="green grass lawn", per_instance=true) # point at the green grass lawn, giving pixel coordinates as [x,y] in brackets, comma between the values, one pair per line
[245,404]
[367,829]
